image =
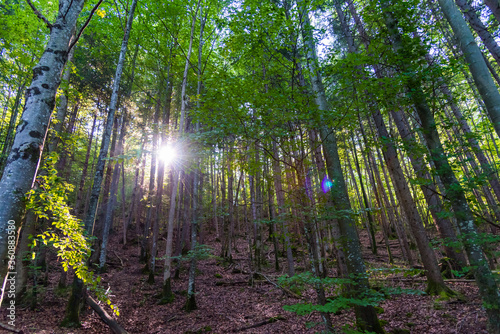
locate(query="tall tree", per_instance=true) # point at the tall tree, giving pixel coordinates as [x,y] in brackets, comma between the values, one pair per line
[73,309]
[475,61]
[23,161]
[366,316]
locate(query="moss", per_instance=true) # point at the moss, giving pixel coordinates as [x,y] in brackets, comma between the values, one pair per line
[437,305]
[166,300]
[437,289]
[206,329]
[191,304]
[151,278]
[166,296]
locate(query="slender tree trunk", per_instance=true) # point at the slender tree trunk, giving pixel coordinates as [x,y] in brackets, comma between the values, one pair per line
[444,225]
[272,219]
[7,144]
[371,228]
[62,108]
[80,192]
[214,198]
[366,316]
[167,295]
[434,279]
[191,292]
[481,30]
[134,198]
[474,58]
[280,197]
[151,210]
[488,288]
[108,222]
[72,310]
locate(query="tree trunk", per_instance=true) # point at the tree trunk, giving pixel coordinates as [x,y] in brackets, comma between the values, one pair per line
[444,225]
[483,33]
[72,310]
[494,6]
[280,197]
[371,227]
[80,192]
[487,285]
[108,221]
[62,108]
[167,295]
[23,161]
[7,143]
[366,316]
[474,58]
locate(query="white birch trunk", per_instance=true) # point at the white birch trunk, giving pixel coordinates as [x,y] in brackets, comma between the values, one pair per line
[23,161]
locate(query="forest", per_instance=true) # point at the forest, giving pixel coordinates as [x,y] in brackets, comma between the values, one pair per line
[278,166]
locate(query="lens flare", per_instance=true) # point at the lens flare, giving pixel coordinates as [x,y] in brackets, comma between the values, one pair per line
[326,184]
[167,154]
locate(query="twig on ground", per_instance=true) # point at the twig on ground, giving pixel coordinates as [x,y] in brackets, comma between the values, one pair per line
[121,261]
[11,329]
[293,294]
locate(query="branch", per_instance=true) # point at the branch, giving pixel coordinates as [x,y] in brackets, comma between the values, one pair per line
[105,317]
[84,25]
[10,328]
[477,214]
[39,15]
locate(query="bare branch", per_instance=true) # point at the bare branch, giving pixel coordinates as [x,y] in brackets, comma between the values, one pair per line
[84,25]
[39,15]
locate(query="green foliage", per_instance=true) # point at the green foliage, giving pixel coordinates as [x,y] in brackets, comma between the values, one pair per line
[339,301]
[200,252]
[407,272]
[66,233]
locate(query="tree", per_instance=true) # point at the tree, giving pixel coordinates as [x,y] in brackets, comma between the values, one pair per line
[23,161]
[366,317]
[475,61]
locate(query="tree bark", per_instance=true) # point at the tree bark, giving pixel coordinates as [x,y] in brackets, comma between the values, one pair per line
[479,70]
[72,311]
[23,161]
[366,316]
[487,285]
[7,144]
[280,197]
[483,33]
[167,295]
[108,220]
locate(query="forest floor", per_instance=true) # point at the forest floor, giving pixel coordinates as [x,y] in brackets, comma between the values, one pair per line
[227,303]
